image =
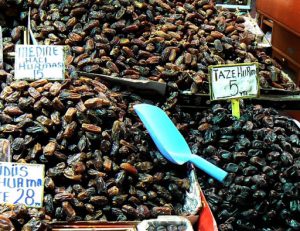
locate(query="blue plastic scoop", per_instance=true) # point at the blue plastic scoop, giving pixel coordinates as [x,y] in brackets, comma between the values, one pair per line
[170,142]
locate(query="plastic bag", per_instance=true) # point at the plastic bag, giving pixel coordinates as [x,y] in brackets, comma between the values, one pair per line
[192,203]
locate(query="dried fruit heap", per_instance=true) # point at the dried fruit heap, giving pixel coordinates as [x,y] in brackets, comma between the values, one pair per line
[172,41]
[90,142]
[93,145]
[100,163]
[261,152]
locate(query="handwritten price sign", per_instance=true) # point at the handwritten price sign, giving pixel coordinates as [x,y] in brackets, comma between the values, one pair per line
[22,184]
[39,62]
[234,81]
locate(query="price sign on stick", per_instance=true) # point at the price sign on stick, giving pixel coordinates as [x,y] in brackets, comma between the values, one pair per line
[234,82]
[22,184]
[33,62]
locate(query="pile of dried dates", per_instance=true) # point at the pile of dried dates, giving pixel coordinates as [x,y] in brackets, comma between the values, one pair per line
[261,152]
[92,145]
[100,162]
[162,40]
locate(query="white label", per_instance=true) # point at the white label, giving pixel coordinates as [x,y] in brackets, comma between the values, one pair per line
[22,184]
[228,82]
[39,62]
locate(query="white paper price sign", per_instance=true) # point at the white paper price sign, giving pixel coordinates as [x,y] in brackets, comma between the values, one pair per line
[234,81]
[34,62]
[22,184]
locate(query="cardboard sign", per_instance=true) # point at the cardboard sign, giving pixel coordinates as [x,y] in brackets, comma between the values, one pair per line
[39,62]
[1,49]
[234,81]
[22,184]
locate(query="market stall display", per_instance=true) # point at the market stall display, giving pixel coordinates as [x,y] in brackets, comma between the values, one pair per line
[100,162]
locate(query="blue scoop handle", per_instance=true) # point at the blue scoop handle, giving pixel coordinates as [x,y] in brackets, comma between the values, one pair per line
[208,167]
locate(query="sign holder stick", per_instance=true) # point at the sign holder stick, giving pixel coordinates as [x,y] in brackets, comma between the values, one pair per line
[235,107]
[26,37]
[26,31]
[30,33]
[1,49]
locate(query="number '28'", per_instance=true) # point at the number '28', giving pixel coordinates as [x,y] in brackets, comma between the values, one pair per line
[29,197]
